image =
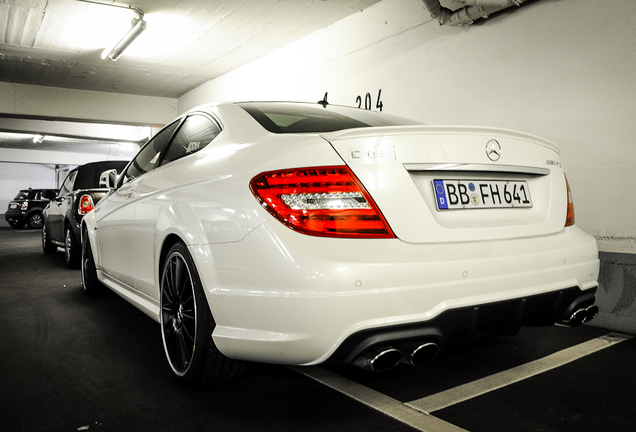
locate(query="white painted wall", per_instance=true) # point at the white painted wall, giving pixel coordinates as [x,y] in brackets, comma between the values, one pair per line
[561,69]
[85,105]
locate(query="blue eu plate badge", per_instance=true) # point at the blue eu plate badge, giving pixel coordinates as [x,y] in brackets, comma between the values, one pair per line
[440,194]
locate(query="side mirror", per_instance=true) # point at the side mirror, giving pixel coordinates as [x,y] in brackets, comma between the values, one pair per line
[108,179]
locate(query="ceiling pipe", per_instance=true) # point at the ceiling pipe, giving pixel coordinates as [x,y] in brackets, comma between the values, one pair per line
[474,10]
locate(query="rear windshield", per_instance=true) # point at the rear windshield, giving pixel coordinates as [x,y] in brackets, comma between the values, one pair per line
[282,117]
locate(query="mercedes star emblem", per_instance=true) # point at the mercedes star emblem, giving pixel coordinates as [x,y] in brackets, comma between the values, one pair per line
[493,150]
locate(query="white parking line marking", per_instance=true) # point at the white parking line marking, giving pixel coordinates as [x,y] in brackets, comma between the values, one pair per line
[487,384]
[378,401]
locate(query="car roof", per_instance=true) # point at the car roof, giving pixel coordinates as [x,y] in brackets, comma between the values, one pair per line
[88,174]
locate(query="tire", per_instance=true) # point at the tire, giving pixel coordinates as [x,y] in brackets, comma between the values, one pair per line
[35,220]
[71,249]
[47,246]
[91,284]
[187,324]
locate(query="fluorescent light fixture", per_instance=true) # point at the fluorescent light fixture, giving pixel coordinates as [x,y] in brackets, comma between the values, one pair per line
[138,26]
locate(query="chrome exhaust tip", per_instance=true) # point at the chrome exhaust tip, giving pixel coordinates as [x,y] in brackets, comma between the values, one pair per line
[418,353]
[582,315]
[378,359]
[591,313]
[577,318]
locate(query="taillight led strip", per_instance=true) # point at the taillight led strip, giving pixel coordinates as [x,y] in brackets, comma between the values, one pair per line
[321,201]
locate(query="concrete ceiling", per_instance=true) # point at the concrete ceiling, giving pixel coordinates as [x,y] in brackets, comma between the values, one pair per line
[58,43]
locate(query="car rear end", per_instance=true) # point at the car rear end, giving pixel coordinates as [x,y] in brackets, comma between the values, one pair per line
[423,236]
[27,204]
[494,209]
[87,189]
[14,214]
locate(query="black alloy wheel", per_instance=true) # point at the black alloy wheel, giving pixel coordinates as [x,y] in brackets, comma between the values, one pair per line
[35,220]
[47,246]
[187,324]
[71,251]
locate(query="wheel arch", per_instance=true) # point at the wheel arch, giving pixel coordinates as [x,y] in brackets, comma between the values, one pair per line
[168,242]
[199,229]
[178,222]
[88,225]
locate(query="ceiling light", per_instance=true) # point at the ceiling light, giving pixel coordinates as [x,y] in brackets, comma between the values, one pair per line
[138,26]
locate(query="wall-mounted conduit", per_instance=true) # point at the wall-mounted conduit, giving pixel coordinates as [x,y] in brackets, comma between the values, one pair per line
[472,11]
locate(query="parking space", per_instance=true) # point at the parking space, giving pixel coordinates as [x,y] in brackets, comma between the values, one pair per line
[70,362]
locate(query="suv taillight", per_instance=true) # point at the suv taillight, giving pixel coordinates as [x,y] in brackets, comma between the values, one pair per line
[85,204]
[24,206]
[569,220]
[321,201]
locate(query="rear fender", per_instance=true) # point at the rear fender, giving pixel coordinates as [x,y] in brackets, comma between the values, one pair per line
[88,225]
[180,221]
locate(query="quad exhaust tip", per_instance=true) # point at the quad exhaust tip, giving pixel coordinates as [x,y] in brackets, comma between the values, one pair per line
[383,358]
[418,353]
[378,359]
[582,315]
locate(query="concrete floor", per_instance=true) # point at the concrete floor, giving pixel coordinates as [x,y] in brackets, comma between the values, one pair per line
[69,362]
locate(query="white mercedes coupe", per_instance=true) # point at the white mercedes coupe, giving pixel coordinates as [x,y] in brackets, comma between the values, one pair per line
[302,234]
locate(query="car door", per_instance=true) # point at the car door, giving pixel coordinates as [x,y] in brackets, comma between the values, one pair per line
[160,189]
[57,209]
[115,214]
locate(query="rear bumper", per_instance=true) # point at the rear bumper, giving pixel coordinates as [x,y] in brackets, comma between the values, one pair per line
[303,300]
[462,325]
[15,216]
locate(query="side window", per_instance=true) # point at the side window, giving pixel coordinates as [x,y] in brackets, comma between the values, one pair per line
[67,186]
[148,156]
[196,133]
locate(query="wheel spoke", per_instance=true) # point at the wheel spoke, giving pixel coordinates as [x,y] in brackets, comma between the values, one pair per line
[176,277]
[185,353]
[168,290]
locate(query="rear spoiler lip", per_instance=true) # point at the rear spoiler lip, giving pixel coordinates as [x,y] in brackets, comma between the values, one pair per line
[465,167]
[489,132]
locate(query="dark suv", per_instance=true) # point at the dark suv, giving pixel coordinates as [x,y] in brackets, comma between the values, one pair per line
[78,195]
[26,207]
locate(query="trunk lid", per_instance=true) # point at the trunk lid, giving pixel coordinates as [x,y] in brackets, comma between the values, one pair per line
[401,166]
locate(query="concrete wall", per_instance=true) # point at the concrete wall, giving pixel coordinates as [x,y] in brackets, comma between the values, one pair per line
[20,99]
[561,69]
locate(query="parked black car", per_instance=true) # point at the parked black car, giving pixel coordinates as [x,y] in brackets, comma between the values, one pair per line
[26,207]
[78,195]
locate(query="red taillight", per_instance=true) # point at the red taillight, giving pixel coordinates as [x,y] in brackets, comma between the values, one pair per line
[85,204]
[569,220]
[321,201]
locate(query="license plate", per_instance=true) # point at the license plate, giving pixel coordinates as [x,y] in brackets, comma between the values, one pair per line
[13,206]
[474,194]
